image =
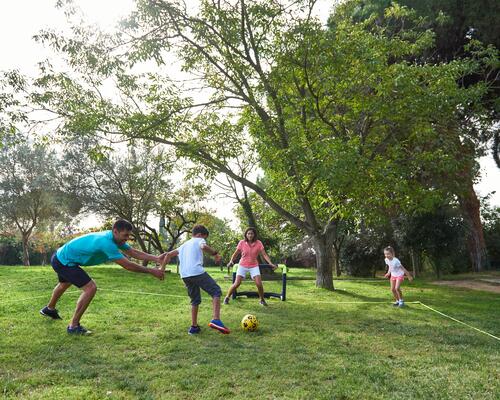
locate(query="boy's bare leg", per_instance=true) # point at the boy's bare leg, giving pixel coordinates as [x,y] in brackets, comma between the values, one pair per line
[194,315]
[216,307]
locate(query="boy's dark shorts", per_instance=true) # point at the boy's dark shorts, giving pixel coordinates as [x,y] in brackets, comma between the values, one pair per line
[72,274]
[203,281]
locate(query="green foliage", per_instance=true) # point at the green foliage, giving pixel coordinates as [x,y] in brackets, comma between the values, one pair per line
[30,188]
[462,30]
[221,238]
[279,236]
[343,123]
[439,235]
[10,250]
[362,253]
[491,217]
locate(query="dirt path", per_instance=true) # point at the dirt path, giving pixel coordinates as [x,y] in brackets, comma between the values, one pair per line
[486,284]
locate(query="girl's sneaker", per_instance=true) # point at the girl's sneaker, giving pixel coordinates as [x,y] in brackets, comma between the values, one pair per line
[396,304]
[194,330]
[401,303]
[217,324]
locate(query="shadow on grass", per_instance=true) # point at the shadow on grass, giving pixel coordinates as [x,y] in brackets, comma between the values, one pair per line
[347,294]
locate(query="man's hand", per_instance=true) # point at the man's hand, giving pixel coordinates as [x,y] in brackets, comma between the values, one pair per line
[157,273]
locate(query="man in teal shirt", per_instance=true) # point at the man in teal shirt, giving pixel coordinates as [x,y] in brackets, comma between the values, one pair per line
[93,249]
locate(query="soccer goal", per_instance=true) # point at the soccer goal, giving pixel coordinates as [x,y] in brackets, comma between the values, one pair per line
[268,274]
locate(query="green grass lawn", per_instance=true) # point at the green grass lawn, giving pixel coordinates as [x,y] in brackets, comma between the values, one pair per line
[316,345]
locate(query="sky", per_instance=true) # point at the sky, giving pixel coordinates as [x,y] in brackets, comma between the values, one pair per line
[20,20]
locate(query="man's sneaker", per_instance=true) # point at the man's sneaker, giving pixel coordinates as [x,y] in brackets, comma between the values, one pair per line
[396,304]
[217,324]
[226,300]
[401,303]
[194,330]
[263,303]
[78,330]
[50,313]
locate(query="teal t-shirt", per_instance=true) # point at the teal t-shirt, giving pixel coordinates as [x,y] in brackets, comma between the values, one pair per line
[91,249]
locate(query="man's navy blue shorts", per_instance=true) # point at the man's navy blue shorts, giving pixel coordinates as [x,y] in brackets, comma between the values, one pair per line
[72,274]
[203,281]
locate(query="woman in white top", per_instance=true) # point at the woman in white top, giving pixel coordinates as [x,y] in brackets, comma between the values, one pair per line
[397,273]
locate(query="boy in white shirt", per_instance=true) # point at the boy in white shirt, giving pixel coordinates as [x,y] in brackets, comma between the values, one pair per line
[396,272]
[195,277]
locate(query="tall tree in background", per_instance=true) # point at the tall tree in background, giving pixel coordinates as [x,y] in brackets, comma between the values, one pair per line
[124,183]
[28,188]
[343,125]
[462,29]
[245,165]
[179,211]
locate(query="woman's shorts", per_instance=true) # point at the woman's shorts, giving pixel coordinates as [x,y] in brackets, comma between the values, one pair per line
[398,278]
[253,271]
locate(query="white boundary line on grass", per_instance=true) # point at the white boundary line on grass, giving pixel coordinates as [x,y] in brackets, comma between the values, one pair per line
[456,320]
[98,289]
[138,292]
[352,302]
[317,302]
[33,297]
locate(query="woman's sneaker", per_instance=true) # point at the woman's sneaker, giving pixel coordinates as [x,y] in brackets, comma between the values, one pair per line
[401,303]
[193,330]
[226,300]
[396,304]
[217,324]
[263,303]
[46,311]
[78,330]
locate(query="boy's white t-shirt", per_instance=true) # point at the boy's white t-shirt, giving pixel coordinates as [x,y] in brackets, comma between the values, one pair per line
[395,267]
[191,257]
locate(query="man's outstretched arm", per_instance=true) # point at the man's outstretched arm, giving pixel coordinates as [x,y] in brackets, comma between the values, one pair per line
[140,255]
[132,266]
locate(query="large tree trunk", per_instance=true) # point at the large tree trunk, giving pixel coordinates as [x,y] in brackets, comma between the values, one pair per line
[325,260]
[247,209]
[470,206]
[26,255]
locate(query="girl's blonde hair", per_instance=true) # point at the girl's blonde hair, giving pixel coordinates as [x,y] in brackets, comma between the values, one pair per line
[389,249]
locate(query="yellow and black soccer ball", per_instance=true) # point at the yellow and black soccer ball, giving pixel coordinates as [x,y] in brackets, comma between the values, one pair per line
[249,323]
